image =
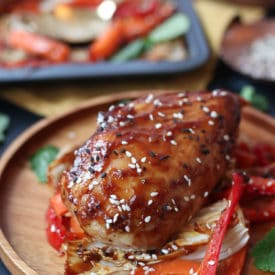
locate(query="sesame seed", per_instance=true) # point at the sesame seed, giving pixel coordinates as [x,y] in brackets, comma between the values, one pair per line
[157,102]
[111,108]
[164,251]
[113,201]
[147,219]
[130,116]
[122,123]
[205,109]
[149,98]
[174,247]
[227,157]
[150,202]
[169,134]
[93,184]
[124,142]
[133,160]
[186,198]
[215,92]
[192,197]
[154,194]
[127,228]
[199,98]
[211,122]
[132,166]
[158,125]
[110,119]
[211,262]
[161,114]
[205,194]
[143,160]
[109,221]
[181,94]
[173,142]
[151,117]
[139,170]
[226,137]
[198,160]
[168,207]
[214,114]
[188,180]
[128,154]
[178,115]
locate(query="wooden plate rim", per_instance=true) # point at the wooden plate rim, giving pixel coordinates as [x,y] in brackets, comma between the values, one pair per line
[8,255]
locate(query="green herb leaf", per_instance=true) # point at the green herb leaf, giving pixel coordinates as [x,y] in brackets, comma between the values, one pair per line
[264,252]
[258,101]
[41,160]
[129,52]
[4,124]
[170,29]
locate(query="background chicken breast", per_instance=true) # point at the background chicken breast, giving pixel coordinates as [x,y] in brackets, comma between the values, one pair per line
[150,165]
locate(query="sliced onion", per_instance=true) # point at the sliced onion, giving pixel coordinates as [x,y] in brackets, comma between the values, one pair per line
[235,239]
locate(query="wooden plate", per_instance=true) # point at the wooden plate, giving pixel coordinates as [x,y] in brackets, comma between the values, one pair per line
[23,201]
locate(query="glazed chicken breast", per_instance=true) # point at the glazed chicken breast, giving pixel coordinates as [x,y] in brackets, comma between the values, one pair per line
[150,165]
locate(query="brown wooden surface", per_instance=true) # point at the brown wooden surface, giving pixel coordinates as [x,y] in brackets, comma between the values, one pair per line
[23,201]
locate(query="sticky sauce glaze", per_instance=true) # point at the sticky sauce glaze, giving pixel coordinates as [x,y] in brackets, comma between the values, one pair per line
[150,165]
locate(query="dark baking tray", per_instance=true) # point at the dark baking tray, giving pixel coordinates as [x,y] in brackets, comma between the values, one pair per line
[196,43]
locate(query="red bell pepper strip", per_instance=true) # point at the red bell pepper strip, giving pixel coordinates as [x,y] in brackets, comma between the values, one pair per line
[130,8]
[135,27]
[170,267]
[57,204]
[39,46]
[56,232]
[19,6]
[260,210]
[211,259]
[107,43]
[84,3]
[263,186]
